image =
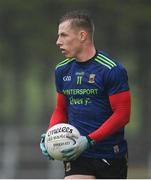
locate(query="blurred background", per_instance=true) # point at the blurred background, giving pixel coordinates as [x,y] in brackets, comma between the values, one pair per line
[28,55]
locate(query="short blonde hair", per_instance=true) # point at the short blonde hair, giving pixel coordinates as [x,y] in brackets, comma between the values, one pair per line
[80,19]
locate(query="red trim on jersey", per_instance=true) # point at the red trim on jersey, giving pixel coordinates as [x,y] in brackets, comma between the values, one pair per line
[121,105]
[60,113]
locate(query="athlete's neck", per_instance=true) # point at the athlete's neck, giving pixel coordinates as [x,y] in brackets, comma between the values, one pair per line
[86,54]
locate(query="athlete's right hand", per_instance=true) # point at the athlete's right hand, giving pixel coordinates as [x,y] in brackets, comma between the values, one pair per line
[43,148]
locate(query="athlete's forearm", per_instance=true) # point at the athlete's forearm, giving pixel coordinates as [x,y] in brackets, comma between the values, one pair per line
[60,113]
[121,105]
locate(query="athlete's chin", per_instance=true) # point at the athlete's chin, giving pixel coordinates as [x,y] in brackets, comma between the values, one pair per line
[67,55]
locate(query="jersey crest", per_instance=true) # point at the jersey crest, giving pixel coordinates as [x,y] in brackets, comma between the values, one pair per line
[91,78]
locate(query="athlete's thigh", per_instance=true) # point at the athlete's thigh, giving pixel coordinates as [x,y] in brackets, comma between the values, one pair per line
[80,177]
[81,166]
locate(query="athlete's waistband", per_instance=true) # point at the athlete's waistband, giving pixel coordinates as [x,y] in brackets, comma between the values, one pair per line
[110,151]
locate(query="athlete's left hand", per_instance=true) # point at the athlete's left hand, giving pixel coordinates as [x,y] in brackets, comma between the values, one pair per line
[73,152]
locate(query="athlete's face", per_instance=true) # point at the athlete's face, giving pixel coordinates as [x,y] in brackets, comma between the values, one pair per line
[69,39]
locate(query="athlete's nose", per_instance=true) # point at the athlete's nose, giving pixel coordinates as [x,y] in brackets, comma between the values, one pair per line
[58,42]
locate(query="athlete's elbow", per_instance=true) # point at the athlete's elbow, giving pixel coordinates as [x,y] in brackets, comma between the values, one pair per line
[126,118]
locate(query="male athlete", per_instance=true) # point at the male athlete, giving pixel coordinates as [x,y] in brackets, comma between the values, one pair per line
[92,95]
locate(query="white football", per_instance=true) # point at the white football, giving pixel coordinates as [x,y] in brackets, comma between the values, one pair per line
[59,137]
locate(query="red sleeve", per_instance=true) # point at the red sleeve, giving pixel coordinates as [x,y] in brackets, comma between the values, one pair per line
[121,105]
[60,113]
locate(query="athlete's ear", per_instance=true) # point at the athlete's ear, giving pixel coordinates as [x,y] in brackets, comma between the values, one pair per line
[83,35]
